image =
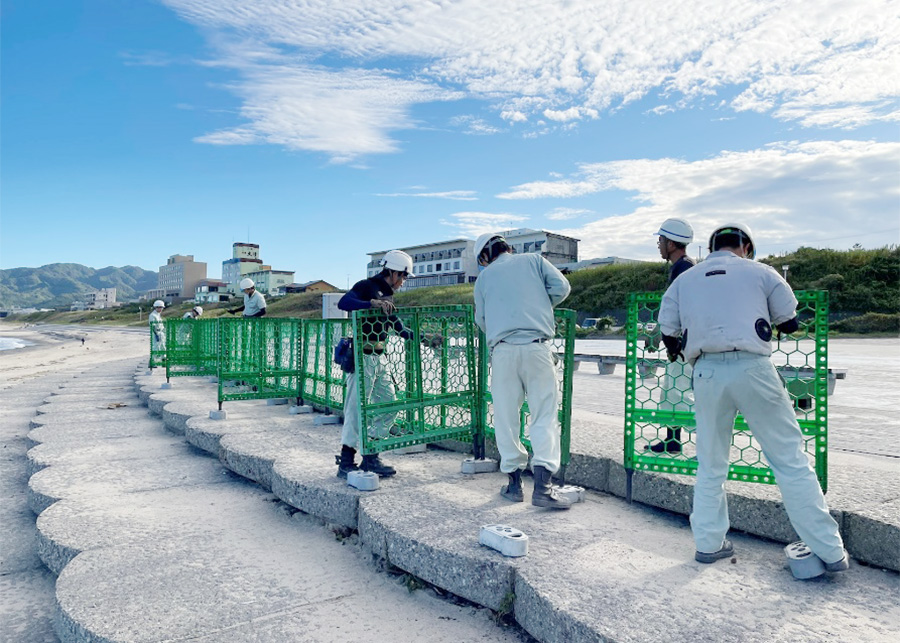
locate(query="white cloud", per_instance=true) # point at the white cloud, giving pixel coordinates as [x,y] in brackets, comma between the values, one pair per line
[454,195]
[473,125]
[790,193]
[471,224]
[563,214]
[823,63]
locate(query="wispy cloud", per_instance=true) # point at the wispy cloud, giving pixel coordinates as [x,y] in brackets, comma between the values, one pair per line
[473,125]
[563,214]
[783,191]
[454,195]
[471,224]
[822,63]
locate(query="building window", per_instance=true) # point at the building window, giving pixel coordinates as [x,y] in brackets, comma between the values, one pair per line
[430,268]
[437,267]
[456,265]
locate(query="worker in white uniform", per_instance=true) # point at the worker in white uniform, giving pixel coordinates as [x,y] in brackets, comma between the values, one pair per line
[194,313]
[254,301]
[514,300]
[720,316]
[157,327]
[673,238]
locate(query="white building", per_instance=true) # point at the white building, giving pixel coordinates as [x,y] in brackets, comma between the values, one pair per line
[103,298]
[268,281]
[447,263]
[244,260]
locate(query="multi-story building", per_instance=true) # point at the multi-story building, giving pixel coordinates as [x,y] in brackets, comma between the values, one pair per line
[451,262]
[211,291]
[178,279]
[103,298]
[267,281]
[244,260]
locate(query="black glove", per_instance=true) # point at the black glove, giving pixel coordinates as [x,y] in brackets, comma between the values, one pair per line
[788,327]
[673,347]
[231,312]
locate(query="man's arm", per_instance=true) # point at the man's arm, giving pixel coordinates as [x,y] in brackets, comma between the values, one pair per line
[260,313]
[479,308]
[352,300]
[558,287]
[232,311]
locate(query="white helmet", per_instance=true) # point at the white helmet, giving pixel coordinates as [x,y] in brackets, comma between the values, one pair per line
[159,303]
[482,241]
[741,230]
[677,230]
[198,310]
[399,261]
[246,282]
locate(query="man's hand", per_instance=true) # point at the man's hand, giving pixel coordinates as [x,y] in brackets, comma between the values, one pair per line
[673,347]
[434,341]
[387,307]
[231,311]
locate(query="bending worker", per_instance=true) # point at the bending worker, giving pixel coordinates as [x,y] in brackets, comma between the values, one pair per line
[375,292]
[157,327]
[674,236]
[514,300]
[194,313]
[254,302]
[720,316]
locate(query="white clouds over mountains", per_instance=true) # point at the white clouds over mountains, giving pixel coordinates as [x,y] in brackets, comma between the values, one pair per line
[340,77]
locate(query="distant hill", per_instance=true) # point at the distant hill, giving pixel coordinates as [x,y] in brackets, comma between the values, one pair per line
[57,285]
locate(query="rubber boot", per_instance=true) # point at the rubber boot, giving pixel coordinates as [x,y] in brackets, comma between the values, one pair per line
[345,461]
[374,464]
[513,490]
[544,494]
[672,443]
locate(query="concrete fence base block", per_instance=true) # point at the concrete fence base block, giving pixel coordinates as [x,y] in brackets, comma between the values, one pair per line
[804,564]
[276,401]
[218,415]
[300,410]
[326,419]
[606,369]
[416,448]
[213,379]
[573,493]
[509,541]
[471,465]
[363,480]
[165,385]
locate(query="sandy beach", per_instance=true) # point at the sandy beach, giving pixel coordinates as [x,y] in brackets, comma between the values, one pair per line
[59,348]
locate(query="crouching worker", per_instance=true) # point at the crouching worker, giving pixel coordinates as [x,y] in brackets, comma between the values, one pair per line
[376,292]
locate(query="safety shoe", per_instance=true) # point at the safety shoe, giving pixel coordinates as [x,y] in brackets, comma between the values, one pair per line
[544,494]
[840,566]
[513,490]
[373,464]
[726,551]
[345,461]
[672,443]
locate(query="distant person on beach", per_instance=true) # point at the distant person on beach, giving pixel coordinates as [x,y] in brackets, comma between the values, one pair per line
[514,300]
[673,238]
[254,302]
[375,292]
[194,313]
[82,341]
[157,326]
[720,317]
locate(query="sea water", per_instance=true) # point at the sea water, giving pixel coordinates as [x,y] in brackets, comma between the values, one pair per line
[10,343]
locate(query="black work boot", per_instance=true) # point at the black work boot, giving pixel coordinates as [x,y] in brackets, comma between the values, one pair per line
[374,464]
[513,490]
[345,461]
[672,443]
[544,493]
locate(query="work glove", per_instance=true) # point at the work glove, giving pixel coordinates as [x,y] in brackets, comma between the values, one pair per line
[673,347]
[434,341]
[788,327]
[231,312]
[387,307]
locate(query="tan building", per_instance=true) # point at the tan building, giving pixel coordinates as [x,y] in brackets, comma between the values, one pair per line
[309,286]
[178,279]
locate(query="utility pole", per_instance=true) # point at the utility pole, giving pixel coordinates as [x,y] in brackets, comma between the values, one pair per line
[784,269]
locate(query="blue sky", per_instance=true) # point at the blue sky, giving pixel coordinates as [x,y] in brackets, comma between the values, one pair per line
[135,130]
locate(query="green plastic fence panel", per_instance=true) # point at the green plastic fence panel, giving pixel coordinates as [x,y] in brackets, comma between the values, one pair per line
[417,390]
[563,344]
[191,347]
[658,394]
[321,380]
[258,358]
[157,344]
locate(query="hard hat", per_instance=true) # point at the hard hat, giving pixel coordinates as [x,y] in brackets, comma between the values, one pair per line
[198,310]
[246,282]
[482,241]
[741,230]
[399,261]
[677,230]
[159,303]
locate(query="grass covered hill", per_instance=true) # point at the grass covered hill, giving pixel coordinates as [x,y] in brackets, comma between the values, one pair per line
[57,285]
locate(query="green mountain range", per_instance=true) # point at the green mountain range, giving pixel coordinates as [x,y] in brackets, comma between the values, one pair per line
[57,285]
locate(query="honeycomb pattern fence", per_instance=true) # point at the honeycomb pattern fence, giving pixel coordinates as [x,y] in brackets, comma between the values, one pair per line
[321,380]
[258,358]
[192,347]
[157,344]
[418,375]
[658,394]
[563,345]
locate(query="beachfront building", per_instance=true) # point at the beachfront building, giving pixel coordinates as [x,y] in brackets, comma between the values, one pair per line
[446,263]
[244,260]
[310,286]
[103,298]
[211,291]
[268,281]
[178,279]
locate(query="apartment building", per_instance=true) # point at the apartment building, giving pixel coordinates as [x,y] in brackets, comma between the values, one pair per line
[178,279]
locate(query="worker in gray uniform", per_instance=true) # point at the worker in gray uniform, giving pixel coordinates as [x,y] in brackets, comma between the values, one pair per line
[514,300]
[157,327]
[720,316]
[194,313]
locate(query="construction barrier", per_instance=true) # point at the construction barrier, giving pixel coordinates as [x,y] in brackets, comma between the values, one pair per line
[321,380]
[658,394]
[192,347]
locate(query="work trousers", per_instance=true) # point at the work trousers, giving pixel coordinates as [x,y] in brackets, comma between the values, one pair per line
[519,372]
[725,383]
[379,388]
